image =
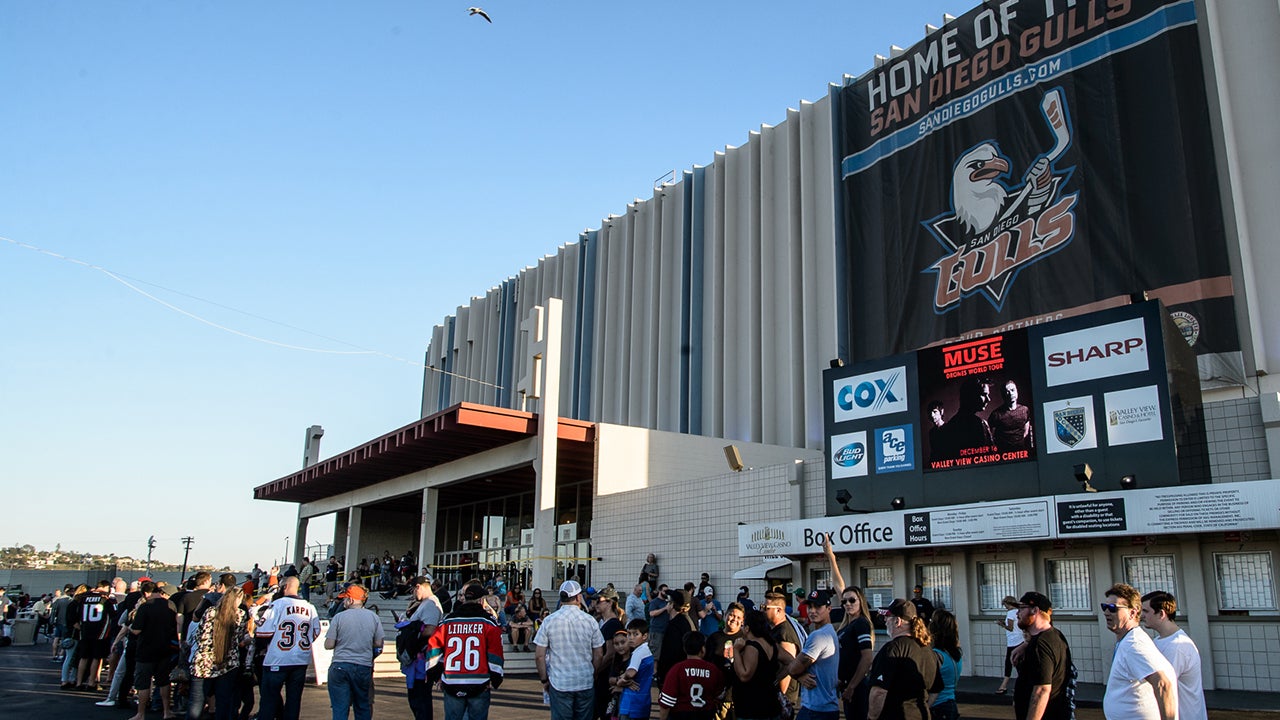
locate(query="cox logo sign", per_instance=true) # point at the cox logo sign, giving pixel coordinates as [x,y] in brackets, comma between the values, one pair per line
[874,393]
[849,454]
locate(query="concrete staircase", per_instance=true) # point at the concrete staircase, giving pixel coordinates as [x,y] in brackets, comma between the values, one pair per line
[386,665]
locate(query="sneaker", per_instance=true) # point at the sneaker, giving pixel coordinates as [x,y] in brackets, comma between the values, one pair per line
[106,703]
[67,686]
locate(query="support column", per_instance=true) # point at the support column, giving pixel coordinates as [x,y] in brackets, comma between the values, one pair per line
[299,541]
[542,381]
[427,528]
[352,550]
[1193,606]
[341,521]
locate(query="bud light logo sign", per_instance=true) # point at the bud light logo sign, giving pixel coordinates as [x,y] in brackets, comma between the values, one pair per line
[871,394]
[849,454]
[895,449]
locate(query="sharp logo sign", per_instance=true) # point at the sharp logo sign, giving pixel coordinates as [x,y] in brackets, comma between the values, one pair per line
[1104,351]
[875,393]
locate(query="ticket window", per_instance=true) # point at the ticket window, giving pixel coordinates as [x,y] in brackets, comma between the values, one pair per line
[877,585]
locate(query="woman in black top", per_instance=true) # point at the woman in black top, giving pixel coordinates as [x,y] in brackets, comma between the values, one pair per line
[755,667]
[682,623]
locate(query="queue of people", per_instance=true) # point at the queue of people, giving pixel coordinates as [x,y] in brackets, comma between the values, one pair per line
[213,648]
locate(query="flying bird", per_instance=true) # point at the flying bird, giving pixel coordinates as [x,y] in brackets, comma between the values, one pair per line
[481,13]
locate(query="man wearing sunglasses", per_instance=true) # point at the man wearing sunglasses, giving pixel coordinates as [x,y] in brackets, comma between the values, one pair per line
[1142,684]
[1040,692]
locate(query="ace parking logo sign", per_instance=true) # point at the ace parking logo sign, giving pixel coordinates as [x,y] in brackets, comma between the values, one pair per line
[895,449]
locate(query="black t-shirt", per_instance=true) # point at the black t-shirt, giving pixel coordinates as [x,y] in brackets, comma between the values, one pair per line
[157,624]
[715,651]
[673,641]
[784,632]
[908,672]
[609,627]
[187,606]
[1046,661]
[854,638]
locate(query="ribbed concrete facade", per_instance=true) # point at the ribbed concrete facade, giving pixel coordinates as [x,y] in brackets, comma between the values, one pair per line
[708,309]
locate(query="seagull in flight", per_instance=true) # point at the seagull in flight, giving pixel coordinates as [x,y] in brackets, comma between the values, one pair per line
[480,12]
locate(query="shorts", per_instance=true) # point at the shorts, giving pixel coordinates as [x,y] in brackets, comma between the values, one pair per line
[59,631]
[147,671]
[95,649]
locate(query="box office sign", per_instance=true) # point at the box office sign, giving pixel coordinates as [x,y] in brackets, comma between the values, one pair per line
[1223,507]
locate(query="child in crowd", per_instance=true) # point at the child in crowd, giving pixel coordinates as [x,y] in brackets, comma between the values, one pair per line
[637,681]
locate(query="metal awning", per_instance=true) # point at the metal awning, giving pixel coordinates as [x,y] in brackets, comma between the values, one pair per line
[456,432]
[761,571]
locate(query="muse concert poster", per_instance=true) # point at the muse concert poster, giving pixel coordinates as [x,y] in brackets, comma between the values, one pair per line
[975,398]
[1030,161]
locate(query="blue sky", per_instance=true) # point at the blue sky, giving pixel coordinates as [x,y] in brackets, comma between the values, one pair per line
[335,176]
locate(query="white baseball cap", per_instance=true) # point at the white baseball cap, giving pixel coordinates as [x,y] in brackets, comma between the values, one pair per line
[570,588]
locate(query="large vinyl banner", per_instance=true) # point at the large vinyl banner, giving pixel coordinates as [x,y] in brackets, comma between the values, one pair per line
[1033,160]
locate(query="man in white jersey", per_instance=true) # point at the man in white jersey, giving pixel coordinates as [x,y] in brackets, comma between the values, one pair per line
[1158,609]
[292,624]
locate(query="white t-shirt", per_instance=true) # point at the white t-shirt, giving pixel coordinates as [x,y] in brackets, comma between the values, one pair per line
[1182,653]
[1014,637]
[1129,696]
[292,625]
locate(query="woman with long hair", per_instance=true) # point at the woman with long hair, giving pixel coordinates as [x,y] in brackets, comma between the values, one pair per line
[71,642]
[857,644]
[222,634]
[537,605]
[946,644]
[905,670]
[755,665]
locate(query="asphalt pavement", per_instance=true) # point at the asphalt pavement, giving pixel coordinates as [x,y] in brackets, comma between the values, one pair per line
[29,689]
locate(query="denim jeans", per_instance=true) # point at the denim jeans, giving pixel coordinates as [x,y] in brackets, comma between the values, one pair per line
[807,714]
[289,678]
[471,707]
[349,688]
[945,710]
[573,705]
[69,664]
[200,690]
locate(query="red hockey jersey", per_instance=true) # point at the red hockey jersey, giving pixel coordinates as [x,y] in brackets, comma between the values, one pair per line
[466,653]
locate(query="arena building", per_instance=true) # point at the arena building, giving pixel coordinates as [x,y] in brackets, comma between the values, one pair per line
[710,375]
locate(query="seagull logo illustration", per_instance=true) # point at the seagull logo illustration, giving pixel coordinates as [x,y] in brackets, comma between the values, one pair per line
[994,230]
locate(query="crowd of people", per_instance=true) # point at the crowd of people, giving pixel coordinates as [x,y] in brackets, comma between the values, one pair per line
[215,646]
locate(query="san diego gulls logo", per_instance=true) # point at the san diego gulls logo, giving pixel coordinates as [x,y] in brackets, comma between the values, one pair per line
[994,230]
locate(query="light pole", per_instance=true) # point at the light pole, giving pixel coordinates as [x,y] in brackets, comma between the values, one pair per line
[151,545]
[186,541]
[285,560]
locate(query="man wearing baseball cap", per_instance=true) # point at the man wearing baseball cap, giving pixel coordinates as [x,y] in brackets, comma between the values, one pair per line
[819,659]
[905,670]
[355,637]
[1040,690]
[568,647]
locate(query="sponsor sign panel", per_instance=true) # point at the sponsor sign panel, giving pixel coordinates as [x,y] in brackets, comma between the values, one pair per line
[976,401]
[871,394]
[991,176]
[1097,352]
[895,449]
[849,454]
[1222,507]
[1071,425]
[1133,415]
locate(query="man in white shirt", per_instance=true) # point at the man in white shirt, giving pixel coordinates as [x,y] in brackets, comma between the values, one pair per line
[1142,684]
[292,624]
[1158,610]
